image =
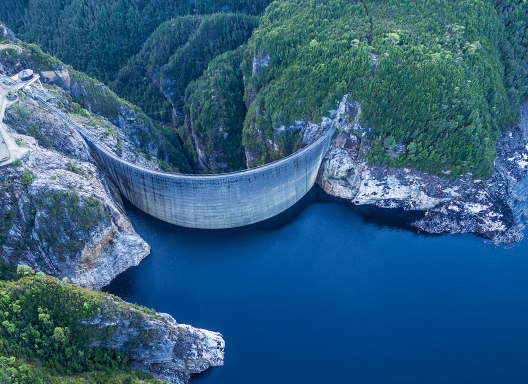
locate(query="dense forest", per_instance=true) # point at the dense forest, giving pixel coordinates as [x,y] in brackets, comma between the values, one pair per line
[177,53]
[448,78]
[99,36]
[43,338]
[215,110]
[440,87]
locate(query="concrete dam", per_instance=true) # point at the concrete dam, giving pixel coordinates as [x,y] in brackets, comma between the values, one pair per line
[219,201]
[213,201]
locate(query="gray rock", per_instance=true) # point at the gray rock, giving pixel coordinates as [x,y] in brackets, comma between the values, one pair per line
[484,207]
[58,77]
[157,343]
[50,230]
[260,62]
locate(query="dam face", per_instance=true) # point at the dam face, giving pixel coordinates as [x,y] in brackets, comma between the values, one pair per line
[219,201]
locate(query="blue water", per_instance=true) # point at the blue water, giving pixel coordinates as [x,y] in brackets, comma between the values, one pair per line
[332,293]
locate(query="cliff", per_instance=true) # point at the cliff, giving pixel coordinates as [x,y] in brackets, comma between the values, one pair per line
[490,207]
[64,217]
[86,331]
[86,95]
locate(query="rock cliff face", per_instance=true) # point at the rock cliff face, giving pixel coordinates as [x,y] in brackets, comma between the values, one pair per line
[488,207]
[74,327]
[29,118]
[129,121]
[63,217]
[157,343]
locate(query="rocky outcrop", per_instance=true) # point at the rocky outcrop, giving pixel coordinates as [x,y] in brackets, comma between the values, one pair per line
[6,33]
[29,118]
[60,77]
[63,217]
[485,207]
[144,135]
[156,342]
[215,162]
[67,320]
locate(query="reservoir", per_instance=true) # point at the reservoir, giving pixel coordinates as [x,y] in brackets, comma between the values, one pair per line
[328,292]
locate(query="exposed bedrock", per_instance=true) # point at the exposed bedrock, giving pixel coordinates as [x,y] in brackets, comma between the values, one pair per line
[61,214]
[64,218]
[156,342]
[494,208]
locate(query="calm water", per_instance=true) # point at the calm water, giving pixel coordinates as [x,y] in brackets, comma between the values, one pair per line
[332,293]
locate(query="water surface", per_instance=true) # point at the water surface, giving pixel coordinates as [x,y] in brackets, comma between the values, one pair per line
[332,293]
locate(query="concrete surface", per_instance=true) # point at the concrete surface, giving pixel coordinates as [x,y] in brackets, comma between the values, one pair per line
[212,201]
[219,201]
[4,152]
[9,150]
[15,151]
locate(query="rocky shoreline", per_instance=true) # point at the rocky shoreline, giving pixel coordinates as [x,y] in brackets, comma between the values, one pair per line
[491,208]
[156,342]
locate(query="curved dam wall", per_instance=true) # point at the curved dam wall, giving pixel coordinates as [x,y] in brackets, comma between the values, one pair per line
[213,201]
[218,201]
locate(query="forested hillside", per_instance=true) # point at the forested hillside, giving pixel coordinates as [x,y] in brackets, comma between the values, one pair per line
[97,98]
[444,85]
[98,36]
[214,116]
[438,81]
[43,337]
[174,55]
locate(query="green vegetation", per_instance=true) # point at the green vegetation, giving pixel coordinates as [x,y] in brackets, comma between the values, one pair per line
[43,140]
[27,178]
[80,214]
[514,45]
[22,111]
[174,55]
[141,130]
[43,338]
[448,80]
[7,271]
[99,36]
[90,95]
[216,101]
[439,87]
[78,110]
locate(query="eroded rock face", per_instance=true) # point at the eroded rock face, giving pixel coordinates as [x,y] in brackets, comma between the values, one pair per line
[52,231]
[52,132]
[64,218]
[484,207]
[157,343]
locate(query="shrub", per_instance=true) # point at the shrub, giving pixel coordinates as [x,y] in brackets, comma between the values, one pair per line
[27,178]
[25,270]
